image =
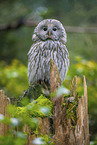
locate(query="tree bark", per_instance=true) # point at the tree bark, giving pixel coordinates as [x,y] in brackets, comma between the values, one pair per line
[67,128]
[4,101]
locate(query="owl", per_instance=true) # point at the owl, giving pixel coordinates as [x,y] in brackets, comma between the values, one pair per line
[49,43]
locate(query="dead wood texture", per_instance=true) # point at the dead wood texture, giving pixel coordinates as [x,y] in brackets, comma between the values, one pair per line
[68,131]
[4,101]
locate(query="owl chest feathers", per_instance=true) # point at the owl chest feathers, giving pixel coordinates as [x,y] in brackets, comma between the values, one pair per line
[39,60]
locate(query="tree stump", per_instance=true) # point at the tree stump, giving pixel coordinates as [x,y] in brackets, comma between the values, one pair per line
[4,101]
[64,132]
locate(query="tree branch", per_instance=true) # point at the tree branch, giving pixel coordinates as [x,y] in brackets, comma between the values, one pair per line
[18,24]
[30,23]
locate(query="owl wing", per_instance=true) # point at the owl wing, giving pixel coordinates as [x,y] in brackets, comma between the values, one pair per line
[37,63]
[61,59]
[33,63]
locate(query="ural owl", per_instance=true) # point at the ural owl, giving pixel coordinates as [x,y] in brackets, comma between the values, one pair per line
[49,43]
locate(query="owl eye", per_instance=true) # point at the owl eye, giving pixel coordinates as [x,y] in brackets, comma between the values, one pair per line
[45,28]
[55,28]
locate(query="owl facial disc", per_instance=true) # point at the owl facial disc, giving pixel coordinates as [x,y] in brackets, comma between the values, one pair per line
[49,29]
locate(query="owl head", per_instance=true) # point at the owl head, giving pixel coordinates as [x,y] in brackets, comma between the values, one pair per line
[49,29]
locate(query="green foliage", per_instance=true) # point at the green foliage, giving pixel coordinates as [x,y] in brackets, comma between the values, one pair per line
[26,115]
[71,106]
[9,139]
[82,44]
[43,101]
[34,91]
[41,107]
[13,78]
[12,137]
[45,140]
[89,69]
[93,142]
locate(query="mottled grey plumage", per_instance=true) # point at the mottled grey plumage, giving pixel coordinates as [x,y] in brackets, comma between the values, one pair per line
[49,42]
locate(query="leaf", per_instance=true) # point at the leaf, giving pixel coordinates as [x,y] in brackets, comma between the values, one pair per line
[62,91]
[38,141]
[45,110]
[14,121]
[1,117]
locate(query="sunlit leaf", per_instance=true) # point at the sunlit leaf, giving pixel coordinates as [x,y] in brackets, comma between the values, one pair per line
[20,135]
[80,70]
[45,110]
[62,91]
[13,74]
[1,117]
[38,141]
[35,120]
[11,109]
[14,121]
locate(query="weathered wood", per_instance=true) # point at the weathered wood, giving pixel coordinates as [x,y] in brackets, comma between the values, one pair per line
[55,80]
[73,87]
[4,101]
[82,126]
[64,132]
[57,105]
[44,126]
[30,135]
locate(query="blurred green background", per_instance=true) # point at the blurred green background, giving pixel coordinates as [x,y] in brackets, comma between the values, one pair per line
[18,19]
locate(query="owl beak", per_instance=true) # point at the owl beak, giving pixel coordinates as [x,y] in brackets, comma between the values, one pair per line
[49,33]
